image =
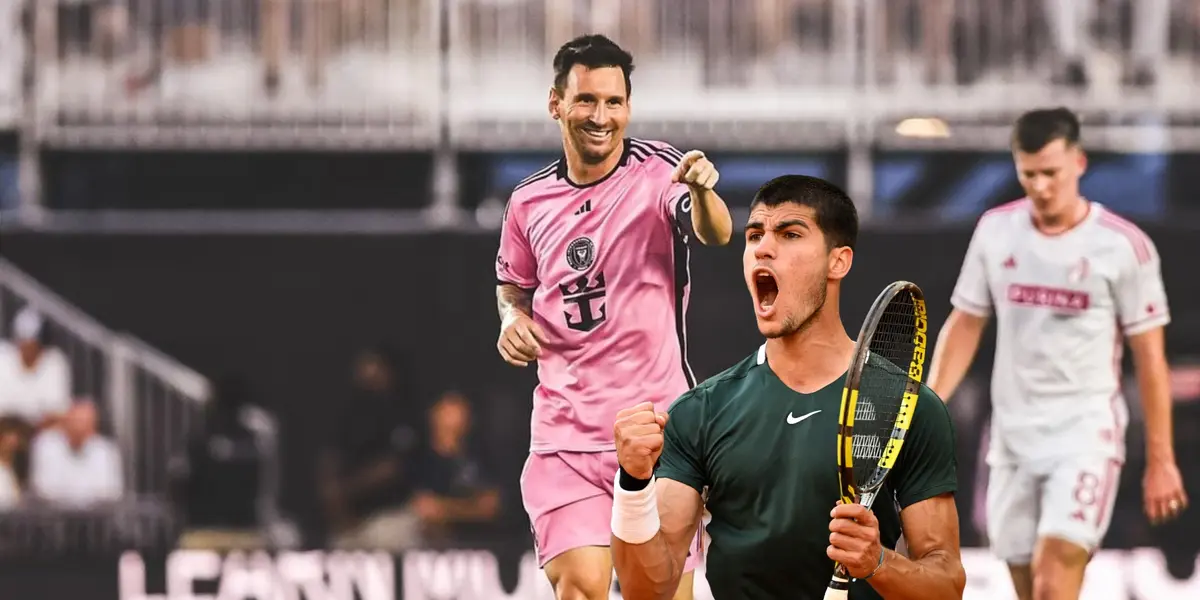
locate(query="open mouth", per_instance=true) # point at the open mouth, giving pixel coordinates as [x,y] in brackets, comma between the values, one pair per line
[766,289]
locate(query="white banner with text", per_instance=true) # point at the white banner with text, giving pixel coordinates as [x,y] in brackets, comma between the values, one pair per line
[475,575]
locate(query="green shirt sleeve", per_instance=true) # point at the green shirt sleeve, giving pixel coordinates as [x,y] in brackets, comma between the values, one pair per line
[683,448]
[927,466]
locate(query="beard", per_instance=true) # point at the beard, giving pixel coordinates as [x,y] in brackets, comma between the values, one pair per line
[811,301]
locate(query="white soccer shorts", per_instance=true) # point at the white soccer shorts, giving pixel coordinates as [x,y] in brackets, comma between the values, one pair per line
[1070,498]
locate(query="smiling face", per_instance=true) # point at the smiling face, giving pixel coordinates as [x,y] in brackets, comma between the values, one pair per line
[592,109]
[788,266]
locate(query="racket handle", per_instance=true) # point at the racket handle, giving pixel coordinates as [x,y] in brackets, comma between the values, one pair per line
[839,589]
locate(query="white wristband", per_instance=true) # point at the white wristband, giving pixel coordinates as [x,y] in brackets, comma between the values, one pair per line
[634,514]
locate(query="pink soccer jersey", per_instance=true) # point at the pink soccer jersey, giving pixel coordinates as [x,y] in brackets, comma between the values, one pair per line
[1063,306]
[608,266]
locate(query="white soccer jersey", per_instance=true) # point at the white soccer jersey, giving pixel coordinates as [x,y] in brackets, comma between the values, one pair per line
[1063,304]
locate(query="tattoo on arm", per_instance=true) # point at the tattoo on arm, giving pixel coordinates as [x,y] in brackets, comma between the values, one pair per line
[510,297]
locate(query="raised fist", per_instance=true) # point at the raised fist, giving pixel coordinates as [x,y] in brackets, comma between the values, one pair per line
[639,436]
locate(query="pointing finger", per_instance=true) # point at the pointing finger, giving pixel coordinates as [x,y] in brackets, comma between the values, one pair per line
[681,169]
[685,163]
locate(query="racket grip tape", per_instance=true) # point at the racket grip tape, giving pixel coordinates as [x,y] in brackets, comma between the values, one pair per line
[839,589]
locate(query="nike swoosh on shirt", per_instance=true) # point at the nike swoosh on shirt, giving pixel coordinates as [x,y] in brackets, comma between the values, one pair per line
[793,420]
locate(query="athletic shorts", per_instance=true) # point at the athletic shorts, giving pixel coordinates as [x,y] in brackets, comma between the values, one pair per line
[1070,498]
[569,498]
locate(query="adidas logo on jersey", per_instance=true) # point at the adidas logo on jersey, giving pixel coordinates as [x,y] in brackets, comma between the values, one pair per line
[586,208]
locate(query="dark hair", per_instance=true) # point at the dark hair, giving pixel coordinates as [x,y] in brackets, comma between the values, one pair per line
[834,211]
[592,51]
[1035,129]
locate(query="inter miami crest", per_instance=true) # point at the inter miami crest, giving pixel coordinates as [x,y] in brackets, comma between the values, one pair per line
[581,253]
[585,292]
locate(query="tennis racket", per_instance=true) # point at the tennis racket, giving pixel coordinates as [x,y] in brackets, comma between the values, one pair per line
[878,401]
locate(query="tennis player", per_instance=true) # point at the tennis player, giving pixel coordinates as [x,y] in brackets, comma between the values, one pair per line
[1068,280]
[761,438]
[593,271]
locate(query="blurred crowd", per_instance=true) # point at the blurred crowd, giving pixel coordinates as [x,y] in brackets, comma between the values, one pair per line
[951,41]
[51,451]
[396,478]
[389,476]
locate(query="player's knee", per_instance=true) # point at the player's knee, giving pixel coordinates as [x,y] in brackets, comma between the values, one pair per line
[1046,586]
[581,573]
[1056,583]
[1060,555]
[582,584]
[1058,567]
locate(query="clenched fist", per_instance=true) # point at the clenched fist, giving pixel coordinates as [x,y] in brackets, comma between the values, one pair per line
[520,340]
[639,437]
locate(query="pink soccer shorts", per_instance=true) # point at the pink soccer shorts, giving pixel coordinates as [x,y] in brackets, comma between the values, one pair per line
[569,498]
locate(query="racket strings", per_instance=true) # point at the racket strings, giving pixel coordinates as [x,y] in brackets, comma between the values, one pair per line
[882,386]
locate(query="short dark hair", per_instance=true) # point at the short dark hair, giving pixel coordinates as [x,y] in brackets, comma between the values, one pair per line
[835,212]
[592,51]
[1035,129]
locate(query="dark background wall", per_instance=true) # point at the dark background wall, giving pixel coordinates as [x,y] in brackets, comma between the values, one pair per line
[289,311]
[940,185]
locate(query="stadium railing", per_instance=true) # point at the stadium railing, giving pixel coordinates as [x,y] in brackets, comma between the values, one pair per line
[150,401]
[976,65]
[454,77]
[47,532]
[315,73]
[473,74]
[724,72]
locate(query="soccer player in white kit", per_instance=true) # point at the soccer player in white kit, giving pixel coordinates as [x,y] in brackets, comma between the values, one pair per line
[1069,281]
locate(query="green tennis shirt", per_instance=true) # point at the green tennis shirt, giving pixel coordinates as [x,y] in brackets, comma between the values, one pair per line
[767,457]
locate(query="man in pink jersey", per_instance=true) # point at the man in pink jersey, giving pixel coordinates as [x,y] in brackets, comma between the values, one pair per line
[593,285]
[1069,282]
